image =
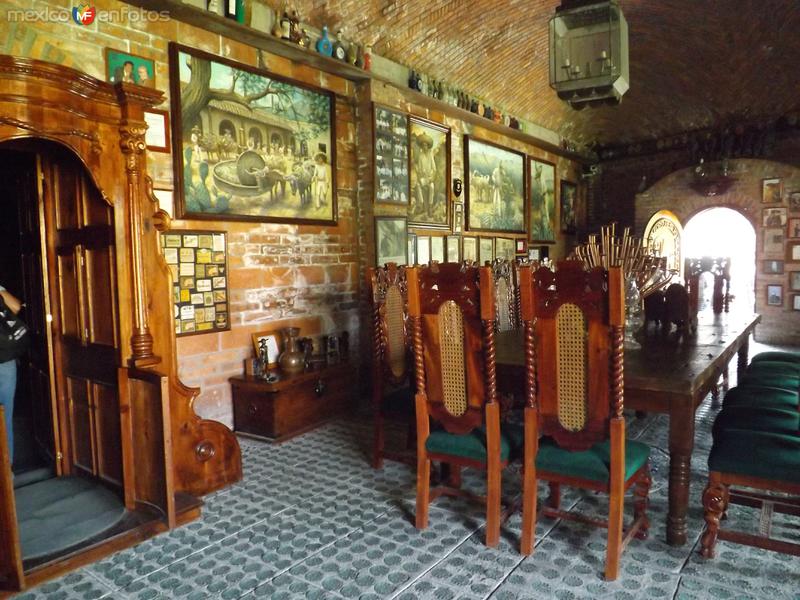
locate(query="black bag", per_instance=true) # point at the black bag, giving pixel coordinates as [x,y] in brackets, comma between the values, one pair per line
[14,337]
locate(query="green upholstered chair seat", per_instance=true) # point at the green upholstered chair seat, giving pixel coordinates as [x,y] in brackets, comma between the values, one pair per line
[472,445]
[776,355]
[592,464]
[757,418]
[774,367]
[761,396]
[777,380]
[399,402]
[757,454]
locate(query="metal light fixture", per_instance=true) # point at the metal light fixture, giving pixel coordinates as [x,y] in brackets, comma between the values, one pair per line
[589,52]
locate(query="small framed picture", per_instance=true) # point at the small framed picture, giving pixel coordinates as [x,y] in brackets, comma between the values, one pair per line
[123,67]
[796,302]
[533,254]
[485,249]
[412,248]
[521,246]
[453,248]
[437,249]
[469,248]
[794,281]
[794,201]
[774,295]
[794,228]
[771,190]
[157,135]
[774,217]
[569,199]
[272,344]
[773,267]
[793,252]
[458,217]
[773,240]
[390,240]
[423,249]
[504,248]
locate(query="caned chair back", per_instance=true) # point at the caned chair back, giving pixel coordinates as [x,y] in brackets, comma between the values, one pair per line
[452,310]
[720,268]
[506,297]
[391,332]
[573,320]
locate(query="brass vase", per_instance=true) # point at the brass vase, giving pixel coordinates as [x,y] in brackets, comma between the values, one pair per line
[291,359]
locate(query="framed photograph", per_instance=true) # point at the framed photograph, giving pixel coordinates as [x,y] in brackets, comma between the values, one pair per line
[423,249]
[391,156]
[157,135]
[542,211]
[794,228]
[458,217]
[771,190]
[796,302]
[266,152]
[521,246]
[469,249]
[774,295]
[774,217]
[794,281]
[773,267]
[569,196]
[773,240]
[495,187]
[794,201]
[124,67]
[412,248]
[391,244]
[793,252]
[429,174]
[504,248]
[453,248]
[534,254]
[272,341]
[485,249]
[437,248]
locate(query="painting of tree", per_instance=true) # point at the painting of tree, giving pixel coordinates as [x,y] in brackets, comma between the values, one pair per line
[250,145]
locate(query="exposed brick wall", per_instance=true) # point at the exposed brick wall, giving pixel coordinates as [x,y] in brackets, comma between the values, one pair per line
[780,325]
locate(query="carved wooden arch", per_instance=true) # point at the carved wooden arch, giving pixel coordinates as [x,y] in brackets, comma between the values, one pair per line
[103,125]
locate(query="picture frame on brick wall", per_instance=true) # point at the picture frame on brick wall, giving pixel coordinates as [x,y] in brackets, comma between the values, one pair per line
[774,295]
[429,174]
[124,67]
[774,217]
[390,155]
[453,248]
[542,207]
[772,267]
[771,190]
[504,248]
[485,249]
[794,281]
[469,248]
[157,135]
[796,302]
[793,252]
[794,228]
[239,153]
[391,241]
[773,240]
[437,248]
[569,199]
[794,201]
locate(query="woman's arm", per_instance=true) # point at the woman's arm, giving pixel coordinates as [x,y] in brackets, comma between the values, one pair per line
[11,301]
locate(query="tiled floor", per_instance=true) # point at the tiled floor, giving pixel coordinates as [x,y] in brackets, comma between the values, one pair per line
[312,520]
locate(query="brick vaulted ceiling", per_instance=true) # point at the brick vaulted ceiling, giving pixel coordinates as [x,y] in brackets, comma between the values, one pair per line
[693,63]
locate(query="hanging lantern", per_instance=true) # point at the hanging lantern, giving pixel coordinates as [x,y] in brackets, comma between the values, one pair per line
[589,52]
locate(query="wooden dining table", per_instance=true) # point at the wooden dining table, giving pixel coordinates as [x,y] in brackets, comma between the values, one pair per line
[665,372]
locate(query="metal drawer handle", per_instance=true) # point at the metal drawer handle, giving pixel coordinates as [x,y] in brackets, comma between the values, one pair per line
[252,409]
[319,388]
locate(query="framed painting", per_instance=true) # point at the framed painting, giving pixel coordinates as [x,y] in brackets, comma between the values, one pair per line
[569,196]
[542,211]
[794,201]
[485,249]
[771,190]
[794,281]
[423,249]
[249,145]
[774,295]
[272,345]
[793,251]
[504,248]
[412,248]
[391,156]
[429,174]
[796,302]
[522,246]
[794,228]
[453,248]
[458,217]
[773,267]
[437,248]
[124,67]
[773,240]
[469,249]
[391,244]
[495,194]
[157,135]
[774,217]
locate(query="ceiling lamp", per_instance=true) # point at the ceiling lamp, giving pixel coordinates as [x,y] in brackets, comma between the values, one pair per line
[589,52]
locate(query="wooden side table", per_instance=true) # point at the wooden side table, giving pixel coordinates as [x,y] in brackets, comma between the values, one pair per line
[279,410]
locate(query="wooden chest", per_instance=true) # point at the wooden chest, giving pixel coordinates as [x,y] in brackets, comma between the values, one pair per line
[295,403]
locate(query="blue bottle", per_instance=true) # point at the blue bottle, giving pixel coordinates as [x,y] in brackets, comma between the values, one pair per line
[324,45]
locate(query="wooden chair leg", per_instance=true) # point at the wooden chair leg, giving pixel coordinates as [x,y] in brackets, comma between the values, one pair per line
[726,378]
[715,503]
[454,476]
[554,498]
[493,475]
[529,487]
[423,491]
[616,497]
[641,501]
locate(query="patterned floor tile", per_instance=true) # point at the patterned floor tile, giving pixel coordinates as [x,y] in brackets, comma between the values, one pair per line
[286,587]
[75,586]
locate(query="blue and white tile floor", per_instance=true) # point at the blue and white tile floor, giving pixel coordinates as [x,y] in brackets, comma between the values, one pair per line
[311,519]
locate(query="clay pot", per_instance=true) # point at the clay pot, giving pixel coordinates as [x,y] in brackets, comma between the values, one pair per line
[292,359]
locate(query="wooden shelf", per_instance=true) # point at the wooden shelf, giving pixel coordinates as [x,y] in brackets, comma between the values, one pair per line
[228,28]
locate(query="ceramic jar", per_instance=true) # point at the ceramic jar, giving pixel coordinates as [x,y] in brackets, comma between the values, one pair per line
[292,359]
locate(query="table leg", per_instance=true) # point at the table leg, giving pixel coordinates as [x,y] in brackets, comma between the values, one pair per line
[681,444]
[741,363]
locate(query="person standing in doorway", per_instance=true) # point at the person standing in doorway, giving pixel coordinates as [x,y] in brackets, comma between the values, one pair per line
[8,378]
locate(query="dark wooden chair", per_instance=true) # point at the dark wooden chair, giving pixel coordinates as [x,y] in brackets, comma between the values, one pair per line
[452,311]
[392,384]
[680,308]
[574,327]
[720,268]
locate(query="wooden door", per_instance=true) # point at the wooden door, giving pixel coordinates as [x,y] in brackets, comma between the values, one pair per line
[82,271]
[11,575]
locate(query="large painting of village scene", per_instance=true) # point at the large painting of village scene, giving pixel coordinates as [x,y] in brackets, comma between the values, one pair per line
[495,188]
[250,146]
